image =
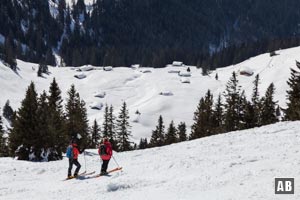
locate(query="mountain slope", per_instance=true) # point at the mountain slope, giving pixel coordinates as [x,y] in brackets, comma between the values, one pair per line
[236,165]
[150,32]
[141,90]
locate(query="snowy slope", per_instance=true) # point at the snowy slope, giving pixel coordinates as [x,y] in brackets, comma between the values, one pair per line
[141,90]
[238,166]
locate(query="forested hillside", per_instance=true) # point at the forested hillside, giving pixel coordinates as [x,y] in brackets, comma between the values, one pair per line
[150,32]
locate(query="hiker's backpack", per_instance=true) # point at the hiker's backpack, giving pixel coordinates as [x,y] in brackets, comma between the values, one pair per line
[69,152]
[102,150]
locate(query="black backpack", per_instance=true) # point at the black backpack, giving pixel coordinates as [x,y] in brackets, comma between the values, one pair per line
[102,149]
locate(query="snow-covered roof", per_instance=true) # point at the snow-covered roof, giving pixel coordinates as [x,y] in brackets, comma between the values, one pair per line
[87,68]
[185,74]
[80,76]
[135,66]
[108,68]
[177,63]
[246,71]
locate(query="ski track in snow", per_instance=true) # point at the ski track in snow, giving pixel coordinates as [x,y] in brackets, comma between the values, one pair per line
[236,165]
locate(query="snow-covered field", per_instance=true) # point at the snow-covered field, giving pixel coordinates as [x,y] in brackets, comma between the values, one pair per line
[141,88]
[238,166]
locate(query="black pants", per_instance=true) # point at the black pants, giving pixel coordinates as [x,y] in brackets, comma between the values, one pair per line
[104,165]
[75,162]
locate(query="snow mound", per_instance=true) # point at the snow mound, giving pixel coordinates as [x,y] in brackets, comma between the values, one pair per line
[96,105]
[166,93]
[100,94]
[113,187]
[145,71]
[185,80]
[185,74]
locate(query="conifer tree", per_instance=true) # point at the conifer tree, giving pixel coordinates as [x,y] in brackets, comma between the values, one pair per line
[202,126]
[232,97]
[256,103]
[76,117]
[112,126]
[1,137]
[44,139]
[217,76]
[293,95]
[158,135]
[8,112]
[95,134]
[143,143]
[56,119]
[106,121]
[3,141]
[171,135]
[218,116]
[123,129]
[182,132]
[10,57]
[268,114]
[61,12]
[25,127]
[250,117]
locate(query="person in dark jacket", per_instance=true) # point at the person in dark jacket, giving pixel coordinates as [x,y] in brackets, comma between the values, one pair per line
[105,152]
[73,159]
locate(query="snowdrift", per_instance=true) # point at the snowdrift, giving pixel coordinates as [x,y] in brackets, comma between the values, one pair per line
[236,165]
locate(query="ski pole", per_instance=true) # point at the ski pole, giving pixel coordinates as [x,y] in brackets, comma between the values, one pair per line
[115,161]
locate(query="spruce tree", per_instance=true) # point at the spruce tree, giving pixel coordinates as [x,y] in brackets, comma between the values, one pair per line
[61,12]
[217,76]
[95,134]
[143,143]
[44,139]
[1,136]
[158,135]
[76,117]
[112,126]
[256,103]
[181,132]
[171,135]
[203,120]
[268,112]
[293,95]
[3,141]
[218,116]
[8,112]
[123,129]
[250,117]
[25,130]
[9,55]
[232,97]
[106,121]
[56,119]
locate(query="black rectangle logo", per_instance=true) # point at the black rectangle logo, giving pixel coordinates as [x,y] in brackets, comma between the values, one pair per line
[284,186]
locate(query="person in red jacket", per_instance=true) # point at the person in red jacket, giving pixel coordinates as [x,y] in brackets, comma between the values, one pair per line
[74,160]
[105,152]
